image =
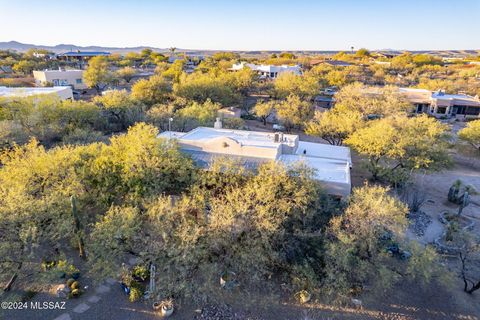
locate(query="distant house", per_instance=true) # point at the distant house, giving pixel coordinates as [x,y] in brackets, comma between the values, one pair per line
[82,54]
[323,101]
[252,148]
[73,78]
[80,58]
[5,69]
[333,63]
[64,93]
[268,71]
[440,104]
[387,54]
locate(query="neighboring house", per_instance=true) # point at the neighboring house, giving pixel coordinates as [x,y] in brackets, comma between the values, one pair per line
[333,63]
[5,69]
[63,93]
[230,112]
[73,78]
[323,101]
[442,105]
[268,71]
[251,148]
[80,58]
[387,54]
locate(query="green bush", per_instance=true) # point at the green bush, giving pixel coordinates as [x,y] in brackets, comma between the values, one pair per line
[140,272]
[75,285]
[70,282]
[136,292]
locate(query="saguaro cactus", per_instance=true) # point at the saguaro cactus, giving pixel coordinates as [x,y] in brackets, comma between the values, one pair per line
[454,191]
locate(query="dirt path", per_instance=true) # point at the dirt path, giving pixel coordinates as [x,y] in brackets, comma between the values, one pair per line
[435,186]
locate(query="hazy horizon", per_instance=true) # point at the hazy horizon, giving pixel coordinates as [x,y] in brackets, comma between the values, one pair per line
[250,26]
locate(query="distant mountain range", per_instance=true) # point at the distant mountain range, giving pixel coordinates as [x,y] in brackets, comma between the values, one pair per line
[22,47]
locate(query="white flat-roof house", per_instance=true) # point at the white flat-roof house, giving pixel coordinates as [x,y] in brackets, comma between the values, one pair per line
[442,105]
[268,71]
[73,78]
[63,93]
[331,163]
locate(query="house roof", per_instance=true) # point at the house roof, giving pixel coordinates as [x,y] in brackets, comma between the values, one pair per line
[336,63]
[246,138]
[252,148]
[267,67]
[29,91]
[426,96]
[83,53]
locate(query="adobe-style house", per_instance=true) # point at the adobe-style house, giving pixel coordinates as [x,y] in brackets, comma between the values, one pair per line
[268,71]
[442,105]
[73,78]
[251,148]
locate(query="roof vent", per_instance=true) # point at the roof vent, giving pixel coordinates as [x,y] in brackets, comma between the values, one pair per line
[218,124]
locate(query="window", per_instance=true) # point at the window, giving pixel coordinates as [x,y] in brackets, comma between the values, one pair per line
[441,110]
[472,111]
[78,81]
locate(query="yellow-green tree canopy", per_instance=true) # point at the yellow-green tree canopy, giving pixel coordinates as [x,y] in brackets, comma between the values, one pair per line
[471,134]
[359,240]
[126,74]
[150,91]
[369,100]
[293,111]
[201,87]
[119,109]
[333,126]
[196,114]
[264,109]
[304,86]
[97,75]
[401,144]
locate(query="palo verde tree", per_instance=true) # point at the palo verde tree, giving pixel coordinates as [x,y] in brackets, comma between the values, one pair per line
[471,134]
[119,109]
[334,127]
[371,100]
[264,110]
[98,75]
[397,146]
[126,74]
[150,91]
[366,245]
[293,112]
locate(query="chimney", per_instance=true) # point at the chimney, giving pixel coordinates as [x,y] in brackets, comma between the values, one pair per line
[218,124]
[276,137]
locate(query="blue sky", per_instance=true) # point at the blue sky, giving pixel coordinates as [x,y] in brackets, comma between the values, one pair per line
[246,25]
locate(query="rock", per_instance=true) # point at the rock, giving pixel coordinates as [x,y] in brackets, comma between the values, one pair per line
[419,222]
[62,290]
[133,261]
[221,312]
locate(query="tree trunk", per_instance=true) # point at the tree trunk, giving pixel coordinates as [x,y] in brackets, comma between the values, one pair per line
[78,233]
[9,284]
[474,288]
